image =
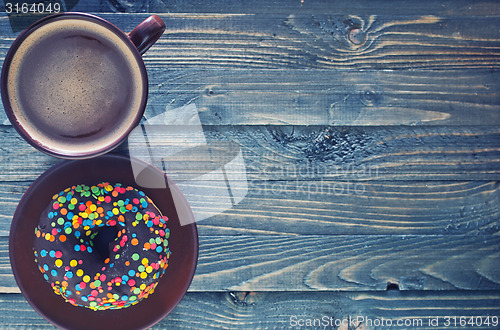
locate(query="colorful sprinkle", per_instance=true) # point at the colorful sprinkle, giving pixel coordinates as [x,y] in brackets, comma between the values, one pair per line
[71,230]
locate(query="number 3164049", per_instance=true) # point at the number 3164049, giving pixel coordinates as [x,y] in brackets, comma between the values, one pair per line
[32,8]
[471,321]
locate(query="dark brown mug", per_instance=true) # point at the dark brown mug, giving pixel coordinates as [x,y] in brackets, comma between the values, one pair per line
[74,85]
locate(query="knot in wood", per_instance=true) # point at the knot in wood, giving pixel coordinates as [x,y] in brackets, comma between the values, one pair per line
[370,98]
[243,299]
[356,36]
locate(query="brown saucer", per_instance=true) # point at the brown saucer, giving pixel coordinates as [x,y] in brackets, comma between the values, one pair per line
[173,285]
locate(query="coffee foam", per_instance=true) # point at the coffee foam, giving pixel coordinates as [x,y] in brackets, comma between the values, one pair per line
[74,93]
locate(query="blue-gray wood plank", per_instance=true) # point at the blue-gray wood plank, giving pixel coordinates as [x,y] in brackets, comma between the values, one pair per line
[325,310]
[399,98]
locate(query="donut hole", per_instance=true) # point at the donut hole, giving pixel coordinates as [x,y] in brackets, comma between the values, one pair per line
[101,242]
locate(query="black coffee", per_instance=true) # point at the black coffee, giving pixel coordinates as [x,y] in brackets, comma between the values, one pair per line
[75,85]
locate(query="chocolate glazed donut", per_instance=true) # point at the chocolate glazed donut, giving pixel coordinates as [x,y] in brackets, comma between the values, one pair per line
[103,246]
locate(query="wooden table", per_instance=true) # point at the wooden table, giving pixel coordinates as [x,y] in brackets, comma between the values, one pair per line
[371,140]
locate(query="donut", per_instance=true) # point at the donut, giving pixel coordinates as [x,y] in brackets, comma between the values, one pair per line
[103,246]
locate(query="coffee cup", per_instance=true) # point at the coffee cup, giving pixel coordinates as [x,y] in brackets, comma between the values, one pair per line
[74,85]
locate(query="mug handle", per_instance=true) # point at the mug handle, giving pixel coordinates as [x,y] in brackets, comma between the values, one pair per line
[147,33]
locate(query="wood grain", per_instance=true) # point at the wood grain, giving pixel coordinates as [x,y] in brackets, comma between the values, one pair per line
[323,69]
[335,262]
[339,153]
[383,208]
[339,207]
[329,40]
[352,263]
[324,97]
[294,153]
[369,131]
[327,97]
[315,180]
[318,41]
[258,310]
[486,8]
[446,7]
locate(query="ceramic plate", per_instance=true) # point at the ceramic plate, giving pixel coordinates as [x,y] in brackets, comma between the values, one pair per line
[183,243]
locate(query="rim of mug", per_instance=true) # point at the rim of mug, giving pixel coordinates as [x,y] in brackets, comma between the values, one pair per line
[23,132]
